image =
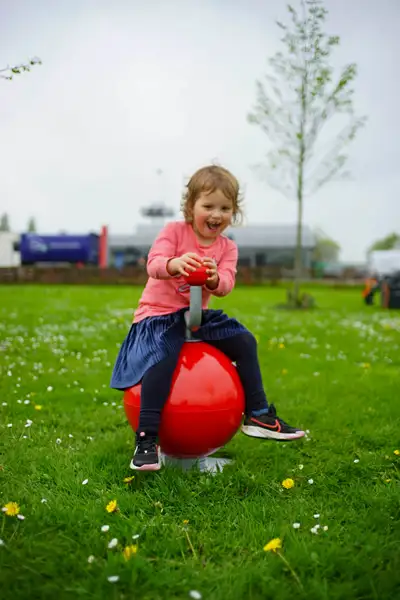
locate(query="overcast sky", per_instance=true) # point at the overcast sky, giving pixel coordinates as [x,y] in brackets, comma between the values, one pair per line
[128,87]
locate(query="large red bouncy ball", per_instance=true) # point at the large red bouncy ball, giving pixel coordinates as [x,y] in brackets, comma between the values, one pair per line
[199,276]
[205,407]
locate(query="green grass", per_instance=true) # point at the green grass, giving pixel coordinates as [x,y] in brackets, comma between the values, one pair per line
[337,375]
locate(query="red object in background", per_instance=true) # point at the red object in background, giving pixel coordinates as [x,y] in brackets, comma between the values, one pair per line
[103,247]
[199,276]
[205,407]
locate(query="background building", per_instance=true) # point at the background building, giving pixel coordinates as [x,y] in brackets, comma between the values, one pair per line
[259,245]
[8,256]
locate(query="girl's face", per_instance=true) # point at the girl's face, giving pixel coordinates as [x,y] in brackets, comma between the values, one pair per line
[212,214]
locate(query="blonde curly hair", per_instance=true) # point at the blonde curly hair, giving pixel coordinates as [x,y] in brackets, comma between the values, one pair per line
[207,180]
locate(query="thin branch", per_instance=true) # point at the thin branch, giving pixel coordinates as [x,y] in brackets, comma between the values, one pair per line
[294,104]
[18,69]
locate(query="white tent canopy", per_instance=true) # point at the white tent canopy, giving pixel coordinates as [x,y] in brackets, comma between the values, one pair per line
[384,262]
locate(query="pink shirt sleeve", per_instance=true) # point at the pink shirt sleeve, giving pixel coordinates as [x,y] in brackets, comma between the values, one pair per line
[227,272]
[163,249]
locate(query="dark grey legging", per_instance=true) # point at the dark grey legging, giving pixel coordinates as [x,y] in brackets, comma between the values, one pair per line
[156,383]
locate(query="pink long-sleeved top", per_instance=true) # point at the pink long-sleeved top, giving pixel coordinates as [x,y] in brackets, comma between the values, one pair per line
[164,293]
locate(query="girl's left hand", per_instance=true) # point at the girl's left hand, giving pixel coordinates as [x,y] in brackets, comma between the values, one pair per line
[213,280]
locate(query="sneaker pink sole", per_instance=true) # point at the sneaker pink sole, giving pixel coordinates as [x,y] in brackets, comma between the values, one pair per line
[266,434]
[145,467]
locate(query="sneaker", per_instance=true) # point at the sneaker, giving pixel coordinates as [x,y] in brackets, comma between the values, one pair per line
[147,453]
[270,426]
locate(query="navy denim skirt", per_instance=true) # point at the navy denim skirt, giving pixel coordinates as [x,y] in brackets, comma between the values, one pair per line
[151,340]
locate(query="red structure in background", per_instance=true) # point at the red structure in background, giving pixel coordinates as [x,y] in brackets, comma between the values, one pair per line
[103,247]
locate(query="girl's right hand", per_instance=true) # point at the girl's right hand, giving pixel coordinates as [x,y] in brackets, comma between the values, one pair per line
[185,264]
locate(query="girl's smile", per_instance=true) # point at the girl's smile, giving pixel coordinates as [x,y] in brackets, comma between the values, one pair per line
[212,214]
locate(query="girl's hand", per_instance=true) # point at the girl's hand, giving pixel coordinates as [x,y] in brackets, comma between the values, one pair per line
[184,265]
[213,280]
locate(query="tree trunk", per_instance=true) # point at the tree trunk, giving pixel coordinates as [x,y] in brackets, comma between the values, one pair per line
[298,264]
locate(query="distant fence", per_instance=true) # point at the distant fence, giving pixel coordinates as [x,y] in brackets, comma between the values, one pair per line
[138,276]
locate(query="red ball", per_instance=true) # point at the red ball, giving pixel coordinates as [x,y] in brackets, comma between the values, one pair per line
[205,407]
[199,276]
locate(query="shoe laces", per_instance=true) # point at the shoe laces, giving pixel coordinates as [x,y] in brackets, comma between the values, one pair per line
[146,443]
[272,413]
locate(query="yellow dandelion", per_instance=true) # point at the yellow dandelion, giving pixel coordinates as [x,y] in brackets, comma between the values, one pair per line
[112,506]
[388,480]
[288,483]
[11,509]
[37,407]
[273,545]
[284,371]
[129,551]
[129,479]
[281,346]
[397,452]
[186,521]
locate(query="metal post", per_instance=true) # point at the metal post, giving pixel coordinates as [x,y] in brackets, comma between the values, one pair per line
[194,314]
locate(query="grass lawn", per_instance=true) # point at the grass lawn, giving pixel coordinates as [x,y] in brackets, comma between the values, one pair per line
[65,451]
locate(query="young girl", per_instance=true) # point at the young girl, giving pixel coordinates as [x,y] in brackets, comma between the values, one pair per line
[150,351]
